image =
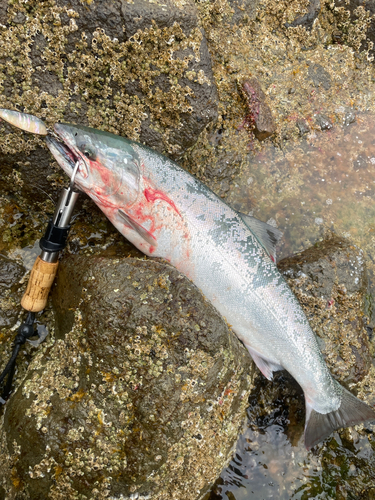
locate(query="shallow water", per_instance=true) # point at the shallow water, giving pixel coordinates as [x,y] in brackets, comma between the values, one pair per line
[326,182]
[277,470]
[271,462]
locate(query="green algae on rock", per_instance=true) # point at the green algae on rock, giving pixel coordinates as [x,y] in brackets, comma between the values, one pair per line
[143,391]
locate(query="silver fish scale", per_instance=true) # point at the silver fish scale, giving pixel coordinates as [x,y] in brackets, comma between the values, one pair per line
[234,272]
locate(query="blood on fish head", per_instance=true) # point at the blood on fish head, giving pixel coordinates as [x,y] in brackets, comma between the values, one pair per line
[108,165]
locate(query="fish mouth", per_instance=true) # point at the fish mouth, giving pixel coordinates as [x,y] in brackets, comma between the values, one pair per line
[59,143]
[63,154]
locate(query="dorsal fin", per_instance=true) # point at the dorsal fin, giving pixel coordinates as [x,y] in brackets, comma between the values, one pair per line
[268,236]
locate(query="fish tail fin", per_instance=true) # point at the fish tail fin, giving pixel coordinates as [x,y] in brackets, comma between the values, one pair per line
[352,411]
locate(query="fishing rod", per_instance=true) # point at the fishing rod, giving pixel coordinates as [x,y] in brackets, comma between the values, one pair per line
[41,278]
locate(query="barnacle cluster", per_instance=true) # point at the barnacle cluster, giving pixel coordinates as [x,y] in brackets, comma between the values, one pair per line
[105,83]
[110,409]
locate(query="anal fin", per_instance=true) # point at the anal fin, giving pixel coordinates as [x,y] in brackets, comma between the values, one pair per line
[266,366]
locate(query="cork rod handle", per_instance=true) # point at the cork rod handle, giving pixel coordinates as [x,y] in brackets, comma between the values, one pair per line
[40,282]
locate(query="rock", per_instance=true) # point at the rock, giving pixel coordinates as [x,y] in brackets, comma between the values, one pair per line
[143,392]
[349,117]
[241,11]
[345,115]
[259,118]
[323,122]
[303,126]
[319,76]
[330,281]
[355,19]
[10,274]
[140,70]
[337,36]
[308,19]
[196,79]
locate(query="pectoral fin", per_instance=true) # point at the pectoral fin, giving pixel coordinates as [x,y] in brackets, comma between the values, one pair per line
[268,236]
[131,222]
[266,366]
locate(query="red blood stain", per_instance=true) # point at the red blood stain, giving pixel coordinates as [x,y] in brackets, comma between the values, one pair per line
[104,172]
[152,249]
[139,213]
[272,258]
[153,194]
[107,179]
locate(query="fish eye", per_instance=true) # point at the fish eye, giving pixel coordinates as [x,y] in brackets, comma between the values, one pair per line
[88,151]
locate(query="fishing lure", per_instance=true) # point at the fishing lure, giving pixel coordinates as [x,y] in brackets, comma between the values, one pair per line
[28,123]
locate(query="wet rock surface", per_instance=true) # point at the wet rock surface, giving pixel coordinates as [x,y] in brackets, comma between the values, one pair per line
[323,122]
[308,19]
[302,127]
[241,11]
[10,275]
[330,281]
[142,392]
[319,76]
[142,70]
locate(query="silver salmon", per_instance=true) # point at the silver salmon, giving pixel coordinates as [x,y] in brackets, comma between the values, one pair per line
[166,212]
